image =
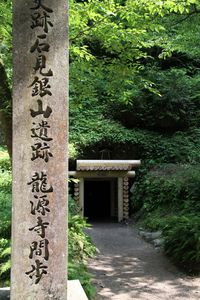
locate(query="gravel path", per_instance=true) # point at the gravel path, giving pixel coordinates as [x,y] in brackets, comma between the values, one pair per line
[127,267]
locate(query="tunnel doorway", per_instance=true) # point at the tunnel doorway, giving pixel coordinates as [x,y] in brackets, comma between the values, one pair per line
[100,199]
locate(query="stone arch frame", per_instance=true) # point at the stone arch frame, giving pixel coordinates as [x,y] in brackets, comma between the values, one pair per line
[103,170]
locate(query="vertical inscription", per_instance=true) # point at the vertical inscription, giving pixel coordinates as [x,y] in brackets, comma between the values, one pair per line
[39,231]
[40,20]
[39,208]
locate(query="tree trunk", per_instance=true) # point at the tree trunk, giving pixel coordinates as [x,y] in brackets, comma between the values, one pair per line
[6,126]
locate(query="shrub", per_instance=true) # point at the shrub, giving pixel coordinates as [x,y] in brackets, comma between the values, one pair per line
[5,182]
[73,208]
[5,164]
[5,263]
[79,270]
[5,226]
[80,248]
[175,107]
[182,241]
[167,198]
[176,186]
[5,204]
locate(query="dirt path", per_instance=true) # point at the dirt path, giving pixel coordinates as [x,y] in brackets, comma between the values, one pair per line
[128,268]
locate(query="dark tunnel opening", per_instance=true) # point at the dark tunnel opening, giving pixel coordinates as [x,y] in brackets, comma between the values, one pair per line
[99,200]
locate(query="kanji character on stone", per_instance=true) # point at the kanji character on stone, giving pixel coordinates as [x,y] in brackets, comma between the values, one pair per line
[40,227]
[41,150]
[42,20]
[41,64]
[41,131]
[37,271]
[40,206]
[40,46]
[39,249]
[39,183]
[46,113]
[41,87]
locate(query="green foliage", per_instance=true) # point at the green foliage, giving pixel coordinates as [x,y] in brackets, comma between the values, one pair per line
[91,129]
[154,220]
[111,43]
[72,151]
[156,191]
[182,241]
[5,224]
[5,263]
[175,106]
[167,198]
[5,204]
[5,214]
[5,164]
[132,69]
[5,181]
[5,35]
[176,186]
[79,270]
[72,207]
[80,248]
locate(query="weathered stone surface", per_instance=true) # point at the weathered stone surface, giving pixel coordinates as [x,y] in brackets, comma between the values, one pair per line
[152,237]
[156,234]
[158,243]
[74,291]
[39,97]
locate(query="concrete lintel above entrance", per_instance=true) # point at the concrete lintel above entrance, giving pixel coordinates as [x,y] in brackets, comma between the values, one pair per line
[99,174]
[102,165]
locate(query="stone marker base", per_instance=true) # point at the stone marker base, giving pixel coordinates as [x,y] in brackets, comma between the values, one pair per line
[75,291]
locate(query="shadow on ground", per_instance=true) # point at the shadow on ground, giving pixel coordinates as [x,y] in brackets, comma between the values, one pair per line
[126,267]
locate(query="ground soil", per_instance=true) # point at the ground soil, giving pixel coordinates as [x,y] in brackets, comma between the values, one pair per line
[126,267]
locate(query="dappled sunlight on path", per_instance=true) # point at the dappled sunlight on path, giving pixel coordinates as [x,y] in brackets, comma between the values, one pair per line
[128,268]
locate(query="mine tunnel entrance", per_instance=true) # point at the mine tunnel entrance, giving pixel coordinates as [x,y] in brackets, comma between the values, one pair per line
[100,199]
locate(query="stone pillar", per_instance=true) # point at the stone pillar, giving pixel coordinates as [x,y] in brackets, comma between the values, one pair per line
[39,223]
[120,199]
[76,192]
[125,198]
